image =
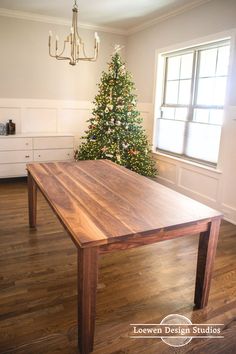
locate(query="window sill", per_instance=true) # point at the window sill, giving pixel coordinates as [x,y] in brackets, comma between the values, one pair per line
[188,162]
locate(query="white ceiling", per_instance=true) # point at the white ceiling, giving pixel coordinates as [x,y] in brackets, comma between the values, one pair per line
[119,14]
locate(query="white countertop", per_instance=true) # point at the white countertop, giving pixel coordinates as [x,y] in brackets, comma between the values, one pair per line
[35,135]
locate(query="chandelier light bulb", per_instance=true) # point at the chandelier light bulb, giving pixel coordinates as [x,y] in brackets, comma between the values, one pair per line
[97,37]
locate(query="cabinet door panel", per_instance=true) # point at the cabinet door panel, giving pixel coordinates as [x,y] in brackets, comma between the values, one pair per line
[53,155]
[61,142]
[15,156]
[13,170]
[9,144]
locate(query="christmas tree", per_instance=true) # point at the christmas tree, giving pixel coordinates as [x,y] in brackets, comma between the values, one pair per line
[115,131]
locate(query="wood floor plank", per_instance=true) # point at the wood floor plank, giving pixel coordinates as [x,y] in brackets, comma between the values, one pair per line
[38,287]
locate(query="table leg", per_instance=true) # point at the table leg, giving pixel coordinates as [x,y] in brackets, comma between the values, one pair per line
[87,286]
[206,254]
[32,200]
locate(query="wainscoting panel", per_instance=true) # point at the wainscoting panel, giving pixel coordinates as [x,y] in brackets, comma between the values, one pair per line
[202,184]
[229,212]
[13,113]
[73,120]
[146,110]
[57,116]
[197,183]
[47,116]
[39,120]
[167,172]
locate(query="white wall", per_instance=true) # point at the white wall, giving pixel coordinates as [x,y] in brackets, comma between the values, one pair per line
[213,17]
[215,187]
[27,71]
[40,93]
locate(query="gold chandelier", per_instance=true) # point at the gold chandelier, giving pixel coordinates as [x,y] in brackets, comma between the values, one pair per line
[74,42]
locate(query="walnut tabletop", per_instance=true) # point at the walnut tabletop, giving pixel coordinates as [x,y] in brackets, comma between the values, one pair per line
[100,202]
[105,207]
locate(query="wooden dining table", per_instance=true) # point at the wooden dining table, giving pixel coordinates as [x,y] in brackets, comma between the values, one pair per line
[105,207]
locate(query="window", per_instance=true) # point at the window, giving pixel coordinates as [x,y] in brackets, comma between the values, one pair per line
[191,112]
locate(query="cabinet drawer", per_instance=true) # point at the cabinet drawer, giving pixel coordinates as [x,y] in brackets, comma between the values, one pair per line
[13,170]
[15,156]
[53,155]
[15,144]
[61,142]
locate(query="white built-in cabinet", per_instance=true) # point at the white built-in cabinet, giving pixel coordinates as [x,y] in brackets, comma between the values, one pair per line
[18,150]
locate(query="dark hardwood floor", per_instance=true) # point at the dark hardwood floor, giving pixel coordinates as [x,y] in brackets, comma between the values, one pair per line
[141,285]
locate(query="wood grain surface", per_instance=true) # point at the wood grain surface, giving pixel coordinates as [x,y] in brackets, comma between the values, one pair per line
[100,202]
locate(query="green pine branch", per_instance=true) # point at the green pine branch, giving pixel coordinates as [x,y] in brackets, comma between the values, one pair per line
[115,131]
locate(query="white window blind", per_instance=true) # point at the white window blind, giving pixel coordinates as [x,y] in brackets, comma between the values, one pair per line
[191,113]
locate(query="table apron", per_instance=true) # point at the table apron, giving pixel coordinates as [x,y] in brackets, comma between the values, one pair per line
[156,236]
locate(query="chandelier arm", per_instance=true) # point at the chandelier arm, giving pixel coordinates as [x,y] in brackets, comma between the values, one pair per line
[64,47]
[79,38]
[62,58]
[50,49]
[59,57]
[52,55]
[83,49]
[94,58]
[72,52]
[86,59]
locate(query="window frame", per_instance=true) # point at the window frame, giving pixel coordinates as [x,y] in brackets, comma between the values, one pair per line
[195,49]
